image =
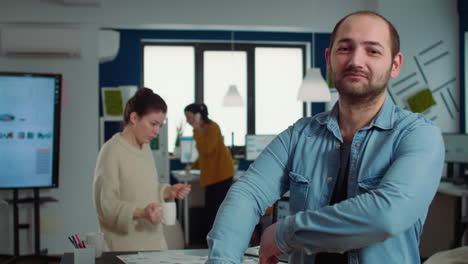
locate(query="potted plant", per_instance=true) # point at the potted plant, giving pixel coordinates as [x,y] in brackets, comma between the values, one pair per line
[179,131]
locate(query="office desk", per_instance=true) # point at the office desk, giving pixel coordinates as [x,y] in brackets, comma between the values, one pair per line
[111,257]
[461,211]
[152,257]
[191,177]
[452,189]
[106,258]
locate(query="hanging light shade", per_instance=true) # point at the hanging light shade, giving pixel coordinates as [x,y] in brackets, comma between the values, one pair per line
[232,97]
[313,87]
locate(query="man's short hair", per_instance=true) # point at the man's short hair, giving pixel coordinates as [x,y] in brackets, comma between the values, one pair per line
[394,37]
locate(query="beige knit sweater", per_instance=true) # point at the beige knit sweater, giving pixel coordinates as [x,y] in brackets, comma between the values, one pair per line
[126,178]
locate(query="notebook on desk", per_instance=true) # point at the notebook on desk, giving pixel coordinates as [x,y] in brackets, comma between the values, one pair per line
[253,252]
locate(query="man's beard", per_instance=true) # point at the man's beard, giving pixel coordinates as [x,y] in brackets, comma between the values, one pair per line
[367,93]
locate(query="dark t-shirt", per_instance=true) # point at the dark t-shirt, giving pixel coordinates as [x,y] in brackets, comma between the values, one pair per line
[339,194]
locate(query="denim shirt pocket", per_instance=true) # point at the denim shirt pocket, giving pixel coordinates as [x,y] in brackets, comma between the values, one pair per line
[299,187]
[369,183]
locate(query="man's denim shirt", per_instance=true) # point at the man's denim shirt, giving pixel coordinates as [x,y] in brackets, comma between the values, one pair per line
[394,171]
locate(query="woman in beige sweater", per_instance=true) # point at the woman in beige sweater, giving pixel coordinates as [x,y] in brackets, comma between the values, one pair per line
[127,192]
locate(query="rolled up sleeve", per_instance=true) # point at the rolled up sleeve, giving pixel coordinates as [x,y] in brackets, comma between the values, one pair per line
[261,186]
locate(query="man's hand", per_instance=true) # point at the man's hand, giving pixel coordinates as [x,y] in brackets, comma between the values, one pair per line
[269,251]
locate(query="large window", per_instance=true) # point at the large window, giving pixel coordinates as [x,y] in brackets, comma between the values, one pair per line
[220,70]
[266,76]
[170,72]
[278,75]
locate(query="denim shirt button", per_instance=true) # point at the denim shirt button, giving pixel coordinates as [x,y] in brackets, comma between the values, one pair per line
[338,145]
[358,145]
[329,179]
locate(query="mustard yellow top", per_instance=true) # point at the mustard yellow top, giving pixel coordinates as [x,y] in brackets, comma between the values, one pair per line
[214,158]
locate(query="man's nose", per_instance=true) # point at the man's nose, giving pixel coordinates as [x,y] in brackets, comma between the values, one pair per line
[357,58]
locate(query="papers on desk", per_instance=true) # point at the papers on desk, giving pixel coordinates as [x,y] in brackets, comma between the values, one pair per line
[194,175]
[171,257]
[253,251]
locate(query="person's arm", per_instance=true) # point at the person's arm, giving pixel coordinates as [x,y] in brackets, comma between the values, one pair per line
[207,138]
[194,165]
[402,197]
[111,210]
[164,192]
[152,212]
[263,184]
[178,191]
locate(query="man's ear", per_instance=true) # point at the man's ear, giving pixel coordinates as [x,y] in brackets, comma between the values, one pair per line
[396,65]
[327,58]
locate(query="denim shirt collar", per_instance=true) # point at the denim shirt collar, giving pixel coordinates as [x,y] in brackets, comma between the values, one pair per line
[384,119]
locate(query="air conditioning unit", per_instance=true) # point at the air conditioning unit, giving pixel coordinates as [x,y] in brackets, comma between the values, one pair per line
[109,43]
[40,41]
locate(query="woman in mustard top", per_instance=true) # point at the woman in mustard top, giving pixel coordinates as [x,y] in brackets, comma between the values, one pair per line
[214,159]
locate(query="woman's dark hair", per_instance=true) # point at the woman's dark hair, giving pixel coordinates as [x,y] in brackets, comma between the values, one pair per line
[201,109]
[143,102]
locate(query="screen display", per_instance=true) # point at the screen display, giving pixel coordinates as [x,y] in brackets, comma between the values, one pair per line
[29,130]
[456,147]
[254,145]
[188,150]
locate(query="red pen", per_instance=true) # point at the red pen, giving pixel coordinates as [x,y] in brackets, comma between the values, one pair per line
[79,241]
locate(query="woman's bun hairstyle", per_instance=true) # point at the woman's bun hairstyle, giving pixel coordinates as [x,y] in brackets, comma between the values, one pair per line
[143,102]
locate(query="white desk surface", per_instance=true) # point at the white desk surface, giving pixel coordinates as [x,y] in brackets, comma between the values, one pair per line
[193,175]
[182,175]
[452,189]
[186,256]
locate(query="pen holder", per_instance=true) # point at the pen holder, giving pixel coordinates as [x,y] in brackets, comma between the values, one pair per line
[83,255]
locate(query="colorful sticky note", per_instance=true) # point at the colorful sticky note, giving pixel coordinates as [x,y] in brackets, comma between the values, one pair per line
[421,101]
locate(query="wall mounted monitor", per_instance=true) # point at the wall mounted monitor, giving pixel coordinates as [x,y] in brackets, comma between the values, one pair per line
[29,129]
